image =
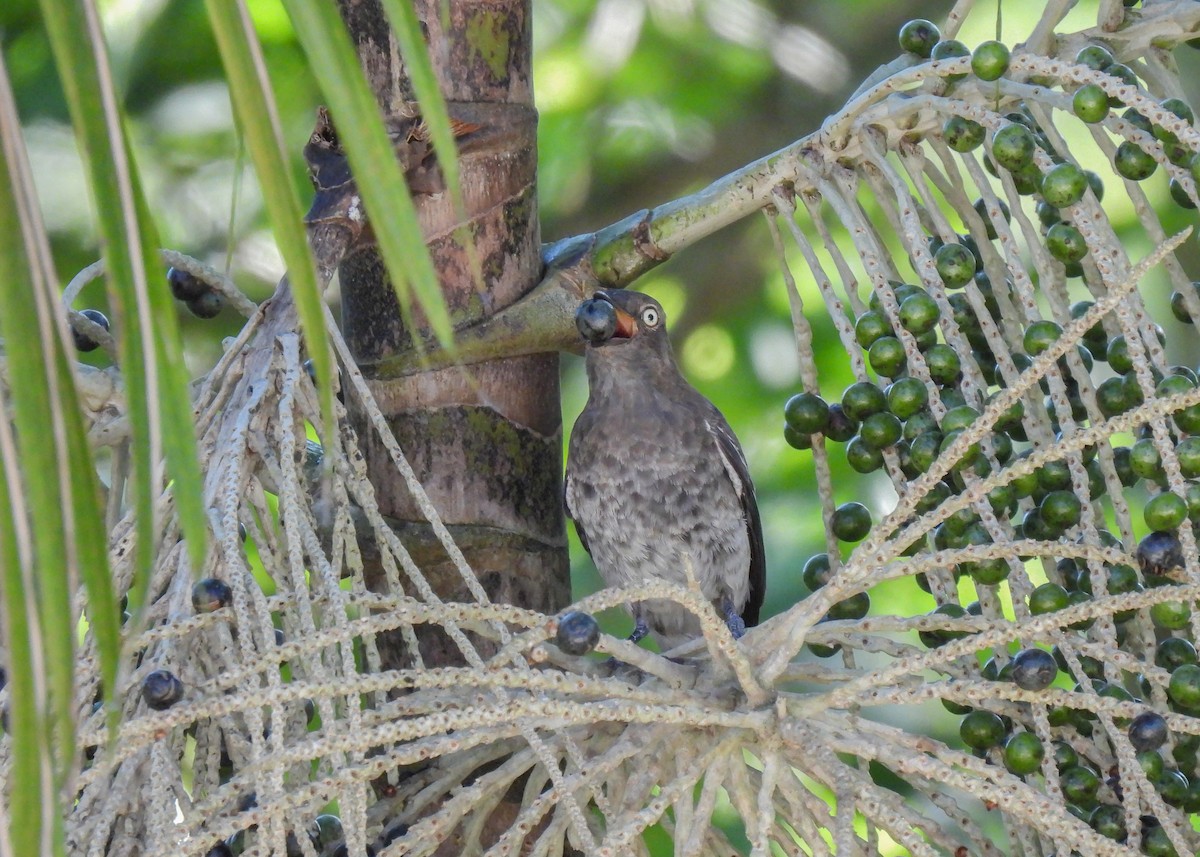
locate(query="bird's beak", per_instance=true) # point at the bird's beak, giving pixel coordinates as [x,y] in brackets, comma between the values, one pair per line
[626,325]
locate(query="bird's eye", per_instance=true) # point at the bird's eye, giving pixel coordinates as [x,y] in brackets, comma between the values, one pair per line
[650,317]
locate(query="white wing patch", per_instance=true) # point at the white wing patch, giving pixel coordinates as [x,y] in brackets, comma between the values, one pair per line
[720,432]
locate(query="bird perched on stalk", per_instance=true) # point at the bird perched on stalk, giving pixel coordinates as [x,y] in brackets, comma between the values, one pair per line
[656,477]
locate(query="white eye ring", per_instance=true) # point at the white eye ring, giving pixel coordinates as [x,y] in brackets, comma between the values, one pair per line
[650,317]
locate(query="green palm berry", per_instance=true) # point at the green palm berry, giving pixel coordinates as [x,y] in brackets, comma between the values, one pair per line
[1188,419]
[1145,460]
[1184,686]
[817,571]
[797,439]
[1171,615]
[1151,763]
[1064,185]
[862,399]
[1173,787]
[1109,820]
[1054,476]
[1174,652]
[1090,103]
[1095,57]
[934,638]
[948,49]
[918,424]
[988,224]
[887,356]
[955,264]
[962,134]
[1123,73]
[944,364]
[862,457]
[990,60]
[1080,784]
[1181,109]
[1041,335]
[1013,146]
[1095,339]
[1061,509]
[1156,842]
[923,451]
[919,36]
[1111,397]
[854,607]
[1133,163]
[1165,511]
[1180,194]
[919,313]
[1137,120]
[1064,755]
[959,417]
[1118,355]
[1188,453]
[851,522]
[1023,753]
[806,413]
[1179,307]
[1174,385]
[981,729]
[880,430]
[871,325]
[907,397]
[1047,214]
[1066,243]
[1048,598]
[988,572]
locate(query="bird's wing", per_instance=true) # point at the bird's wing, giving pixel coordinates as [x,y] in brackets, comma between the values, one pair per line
[567,506]
[739,473]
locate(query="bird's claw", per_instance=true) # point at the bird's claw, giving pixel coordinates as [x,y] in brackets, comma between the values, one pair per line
[734,622]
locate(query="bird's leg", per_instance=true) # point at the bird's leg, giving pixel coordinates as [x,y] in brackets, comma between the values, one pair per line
[640,628]
[733,621]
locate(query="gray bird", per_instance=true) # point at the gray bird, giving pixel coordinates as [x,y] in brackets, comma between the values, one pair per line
[654,471]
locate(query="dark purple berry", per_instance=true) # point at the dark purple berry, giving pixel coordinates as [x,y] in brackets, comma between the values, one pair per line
[1034,669]
[207,305]
[1148,731]
[83,342]
[162,689]
[596,320]
[577,632]
[1159,552]
[185,286]
[210,594]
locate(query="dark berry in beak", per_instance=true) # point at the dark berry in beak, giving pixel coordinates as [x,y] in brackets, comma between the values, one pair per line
[596,320]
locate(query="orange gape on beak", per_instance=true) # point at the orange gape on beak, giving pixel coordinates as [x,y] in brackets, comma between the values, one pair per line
[626,325]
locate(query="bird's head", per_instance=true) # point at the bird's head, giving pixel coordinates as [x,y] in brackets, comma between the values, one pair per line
[618,318]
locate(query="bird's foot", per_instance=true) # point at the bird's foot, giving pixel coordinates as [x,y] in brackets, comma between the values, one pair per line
[734,622]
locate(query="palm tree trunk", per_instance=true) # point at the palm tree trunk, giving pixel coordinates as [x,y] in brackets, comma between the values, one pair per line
[486,440]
